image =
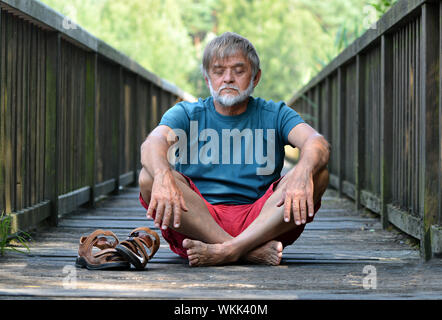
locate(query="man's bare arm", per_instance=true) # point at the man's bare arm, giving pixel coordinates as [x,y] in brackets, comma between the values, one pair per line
[166,198]
[154,151]
[314,156]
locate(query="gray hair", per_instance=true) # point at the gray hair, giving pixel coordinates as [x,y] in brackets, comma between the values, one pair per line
[226,45]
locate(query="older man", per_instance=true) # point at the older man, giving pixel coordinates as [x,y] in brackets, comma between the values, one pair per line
[224,199]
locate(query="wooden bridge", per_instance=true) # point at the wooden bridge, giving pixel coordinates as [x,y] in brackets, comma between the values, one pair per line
[74,111]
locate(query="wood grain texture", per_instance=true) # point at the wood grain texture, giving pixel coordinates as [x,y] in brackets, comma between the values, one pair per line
[330,255]
[382,97]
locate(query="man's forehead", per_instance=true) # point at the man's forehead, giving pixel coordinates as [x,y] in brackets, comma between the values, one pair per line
[234,60]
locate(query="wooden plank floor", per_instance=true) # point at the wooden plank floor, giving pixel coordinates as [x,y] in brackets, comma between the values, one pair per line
[326,262]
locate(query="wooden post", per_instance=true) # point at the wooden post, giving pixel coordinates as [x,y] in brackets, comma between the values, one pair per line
[117,129]
[7,116]
[386,125]
[52,127]
[440,118]
[327,115]
[135,129]
[341,128]
[429,116]
[317,106]
[2,114]
[90,134]
[154,103]
[359,131]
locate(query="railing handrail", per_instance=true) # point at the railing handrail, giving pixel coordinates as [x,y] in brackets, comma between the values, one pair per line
[388,22]
[49,19]
[92,106]
[378,103]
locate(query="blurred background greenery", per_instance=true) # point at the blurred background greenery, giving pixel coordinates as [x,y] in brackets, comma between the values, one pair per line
[294,38]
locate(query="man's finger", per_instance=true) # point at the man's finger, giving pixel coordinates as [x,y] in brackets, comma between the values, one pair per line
[176,216]
[296,215]
[166,217]
[159,214]
[287,208]
[311,207]
[152,206]
[303,210]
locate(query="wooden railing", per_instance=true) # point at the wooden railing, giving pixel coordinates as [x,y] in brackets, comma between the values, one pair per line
[73,114]
[378,103]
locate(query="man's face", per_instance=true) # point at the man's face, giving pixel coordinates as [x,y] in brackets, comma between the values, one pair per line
[230,80]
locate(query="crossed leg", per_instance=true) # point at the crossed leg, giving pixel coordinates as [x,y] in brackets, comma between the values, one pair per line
[215,246]
[198,223]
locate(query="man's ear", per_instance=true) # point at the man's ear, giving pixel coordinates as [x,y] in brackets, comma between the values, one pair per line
[257,78]
[207,81]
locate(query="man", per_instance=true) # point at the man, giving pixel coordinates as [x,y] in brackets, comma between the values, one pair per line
[225,200]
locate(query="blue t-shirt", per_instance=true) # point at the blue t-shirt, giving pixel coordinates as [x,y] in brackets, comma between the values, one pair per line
[231,159]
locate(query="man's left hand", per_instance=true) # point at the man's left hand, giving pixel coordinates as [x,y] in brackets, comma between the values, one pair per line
[297,196]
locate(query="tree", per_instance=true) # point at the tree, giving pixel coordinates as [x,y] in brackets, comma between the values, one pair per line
[150,32]
[294,38]
[290,36]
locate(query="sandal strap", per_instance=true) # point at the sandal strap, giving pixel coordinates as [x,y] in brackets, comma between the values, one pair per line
[137,243]
[153,247]
[107,248]
[103,243]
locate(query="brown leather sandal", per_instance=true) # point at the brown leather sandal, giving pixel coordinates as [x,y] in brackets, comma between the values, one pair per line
[105,259]
[133,249]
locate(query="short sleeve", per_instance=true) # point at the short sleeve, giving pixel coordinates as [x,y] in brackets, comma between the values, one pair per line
[287,120]
[176,118]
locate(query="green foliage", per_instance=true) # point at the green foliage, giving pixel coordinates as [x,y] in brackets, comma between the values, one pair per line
[343,38]
[382,6]
[294,38]
[6,241]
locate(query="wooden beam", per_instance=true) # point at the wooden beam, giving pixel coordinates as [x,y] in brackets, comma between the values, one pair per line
[386,126]
[135,129]
[436,239]
[31,216]
[405,221]
[90,134]
[429,117]
[7,112]
[359,126]
[72,200]
[341,127]
[52,124]
[127,178]
[2,113]
[440,136]
[370,201]
[317,107]
[118,120]
[105,187]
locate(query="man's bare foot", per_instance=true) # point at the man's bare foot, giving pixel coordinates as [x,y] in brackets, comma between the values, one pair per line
[269,253]
[203,254]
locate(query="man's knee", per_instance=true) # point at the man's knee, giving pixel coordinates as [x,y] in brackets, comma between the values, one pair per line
[145,181]
[321,177]
[320,182]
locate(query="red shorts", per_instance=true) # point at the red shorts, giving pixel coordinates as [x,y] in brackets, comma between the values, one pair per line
[234,219]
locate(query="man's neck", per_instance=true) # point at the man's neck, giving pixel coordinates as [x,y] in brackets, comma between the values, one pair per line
[233,110]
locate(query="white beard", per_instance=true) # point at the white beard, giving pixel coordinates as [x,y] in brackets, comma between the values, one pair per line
[229,100]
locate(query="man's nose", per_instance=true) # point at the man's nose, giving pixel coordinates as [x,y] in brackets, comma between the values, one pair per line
[228,77]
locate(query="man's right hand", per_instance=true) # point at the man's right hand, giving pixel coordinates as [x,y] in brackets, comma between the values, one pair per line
[166,199]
